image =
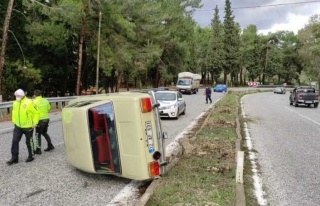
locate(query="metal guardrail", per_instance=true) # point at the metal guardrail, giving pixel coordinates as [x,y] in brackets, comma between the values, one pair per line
[274,86]
[56,102]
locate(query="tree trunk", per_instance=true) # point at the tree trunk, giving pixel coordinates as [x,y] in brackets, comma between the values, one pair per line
[80,55]
[265,67]
[241,73]
[225,77]
[118,81]
[4,39]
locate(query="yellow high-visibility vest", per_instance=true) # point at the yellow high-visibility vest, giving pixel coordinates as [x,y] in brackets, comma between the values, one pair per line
[24,114]
[43,106]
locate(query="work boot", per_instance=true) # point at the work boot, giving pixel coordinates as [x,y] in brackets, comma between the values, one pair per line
[38,151]
[12,161]
[50,147]
[29,159]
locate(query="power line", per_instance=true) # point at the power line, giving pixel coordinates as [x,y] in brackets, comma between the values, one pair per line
[262,6]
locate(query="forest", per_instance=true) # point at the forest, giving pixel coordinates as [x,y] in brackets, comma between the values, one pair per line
[64,47]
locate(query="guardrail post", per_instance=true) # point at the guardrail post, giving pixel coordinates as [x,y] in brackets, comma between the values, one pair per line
[60,105]
[1,113]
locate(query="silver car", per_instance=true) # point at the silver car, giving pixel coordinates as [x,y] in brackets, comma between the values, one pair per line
[171,103]
[279,90]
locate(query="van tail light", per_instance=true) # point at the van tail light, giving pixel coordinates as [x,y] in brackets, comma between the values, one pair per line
[154,169]
[146,105]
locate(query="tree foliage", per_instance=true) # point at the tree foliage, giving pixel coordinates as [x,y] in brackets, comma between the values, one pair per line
[144,43]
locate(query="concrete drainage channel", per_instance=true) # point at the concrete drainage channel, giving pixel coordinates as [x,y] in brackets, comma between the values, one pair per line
[180,146]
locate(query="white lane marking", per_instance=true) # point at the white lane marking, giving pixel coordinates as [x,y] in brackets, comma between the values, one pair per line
[125,196]
[308,118]
[254,166]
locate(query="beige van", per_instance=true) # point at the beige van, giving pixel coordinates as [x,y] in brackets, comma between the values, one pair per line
[118,134]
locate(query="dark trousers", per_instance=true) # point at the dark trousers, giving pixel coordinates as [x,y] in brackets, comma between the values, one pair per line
[17,135]
[42,129]
[208,97]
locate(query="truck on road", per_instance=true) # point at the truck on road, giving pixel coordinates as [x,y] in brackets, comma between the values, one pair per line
[304,95]
[188,82]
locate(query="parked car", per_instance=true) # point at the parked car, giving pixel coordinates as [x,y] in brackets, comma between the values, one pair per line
[304,95]
[171,103]
[279,90]
[220,88]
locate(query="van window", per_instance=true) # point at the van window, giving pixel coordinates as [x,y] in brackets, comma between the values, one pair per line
[104,139]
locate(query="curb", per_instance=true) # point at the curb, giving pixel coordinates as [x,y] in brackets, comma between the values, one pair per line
[177,149]
[240,193]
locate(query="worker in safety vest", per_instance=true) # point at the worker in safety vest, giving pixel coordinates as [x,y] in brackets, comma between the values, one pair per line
[25,118]
[43,106]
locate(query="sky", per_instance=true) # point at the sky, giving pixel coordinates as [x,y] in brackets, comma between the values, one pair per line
[268,15]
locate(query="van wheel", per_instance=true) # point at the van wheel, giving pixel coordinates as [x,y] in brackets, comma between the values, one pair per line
[316,105]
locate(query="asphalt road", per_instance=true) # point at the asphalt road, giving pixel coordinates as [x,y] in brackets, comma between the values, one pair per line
[286,140]
[50,180]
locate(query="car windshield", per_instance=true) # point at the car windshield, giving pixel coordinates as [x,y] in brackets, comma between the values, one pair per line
[309,90]
[166,96]
[220,85]
[183,82]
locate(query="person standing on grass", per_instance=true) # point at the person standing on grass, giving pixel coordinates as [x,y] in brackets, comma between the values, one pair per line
[43,106]
[25,118]
[208,94]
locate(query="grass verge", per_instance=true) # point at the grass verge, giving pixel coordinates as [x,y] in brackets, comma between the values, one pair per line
[207,175]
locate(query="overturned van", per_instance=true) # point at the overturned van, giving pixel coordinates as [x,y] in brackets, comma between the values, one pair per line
[118,134]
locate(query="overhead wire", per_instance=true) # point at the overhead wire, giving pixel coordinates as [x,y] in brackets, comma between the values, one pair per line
[267,5]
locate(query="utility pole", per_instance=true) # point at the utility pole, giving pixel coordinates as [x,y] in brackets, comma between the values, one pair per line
[98,55]
[4,39]
[265,65]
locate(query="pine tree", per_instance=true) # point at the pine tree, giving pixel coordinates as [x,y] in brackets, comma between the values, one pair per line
[231,43]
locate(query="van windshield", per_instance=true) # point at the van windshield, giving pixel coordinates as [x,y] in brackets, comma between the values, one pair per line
[183,82]
[104,138]
[166,96]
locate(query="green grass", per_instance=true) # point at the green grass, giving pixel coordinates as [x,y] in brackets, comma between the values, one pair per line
[207,176]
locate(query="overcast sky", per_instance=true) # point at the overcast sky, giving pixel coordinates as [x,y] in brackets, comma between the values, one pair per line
[291,17]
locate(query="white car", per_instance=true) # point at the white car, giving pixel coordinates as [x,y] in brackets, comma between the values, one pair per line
[171,103]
